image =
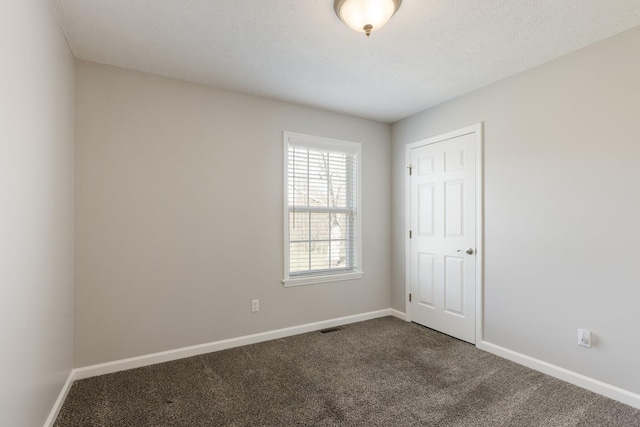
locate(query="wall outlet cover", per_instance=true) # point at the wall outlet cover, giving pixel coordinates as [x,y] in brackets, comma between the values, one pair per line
[584,338]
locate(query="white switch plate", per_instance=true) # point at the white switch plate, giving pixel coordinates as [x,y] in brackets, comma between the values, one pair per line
[584,338]
[255,305]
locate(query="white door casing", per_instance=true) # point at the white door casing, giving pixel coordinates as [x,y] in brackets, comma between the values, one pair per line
[444,268]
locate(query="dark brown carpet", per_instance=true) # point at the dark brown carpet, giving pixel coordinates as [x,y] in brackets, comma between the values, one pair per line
[382,372]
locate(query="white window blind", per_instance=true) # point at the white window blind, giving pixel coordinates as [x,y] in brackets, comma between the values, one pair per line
[322,218]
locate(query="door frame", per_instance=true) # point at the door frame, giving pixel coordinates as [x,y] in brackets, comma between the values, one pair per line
[476,129]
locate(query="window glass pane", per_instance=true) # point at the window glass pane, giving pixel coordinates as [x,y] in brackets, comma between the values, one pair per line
[337,180]
[339,254]
[298,257]
[320,226]
[339,226]
[320,255]
[298,226]
[318,175]
[297,176]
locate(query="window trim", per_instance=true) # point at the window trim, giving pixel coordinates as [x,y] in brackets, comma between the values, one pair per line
[325,143]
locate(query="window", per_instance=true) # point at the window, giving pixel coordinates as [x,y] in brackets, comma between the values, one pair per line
[322,220]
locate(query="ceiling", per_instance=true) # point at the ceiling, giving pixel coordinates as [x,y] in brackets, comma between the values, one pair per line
[299,51]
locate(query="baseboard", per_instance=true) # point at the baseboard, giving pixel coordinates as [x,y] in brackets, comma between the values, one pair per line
[400,315]
[181,353]
[51,419]
[608,390]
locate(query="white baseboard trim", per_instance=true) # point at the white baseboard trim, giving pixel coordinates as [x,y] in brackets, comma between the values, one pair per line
[608,390]
[51,419]
[181,353]
[400,315]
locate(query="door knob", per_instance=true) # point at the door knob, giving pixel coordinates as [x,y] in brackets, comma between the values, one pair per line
[467,251]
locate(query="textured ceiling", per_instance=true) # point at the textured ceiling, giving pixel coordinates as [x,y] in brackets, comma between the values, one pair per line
[299,51]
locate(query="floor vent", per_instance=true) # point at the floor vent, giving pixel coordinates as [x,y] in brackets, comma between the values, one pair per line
[326,331]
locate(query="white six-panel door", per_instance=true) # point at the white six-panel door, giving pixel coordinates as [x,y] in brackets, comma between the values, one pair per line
[443,235]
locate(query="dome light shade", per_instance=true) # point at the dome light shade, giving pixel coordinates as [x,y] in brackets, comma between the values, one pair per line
[365,15]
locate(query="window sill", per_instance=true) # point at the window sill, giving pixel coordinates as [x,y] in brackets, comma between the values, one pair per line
[312,280]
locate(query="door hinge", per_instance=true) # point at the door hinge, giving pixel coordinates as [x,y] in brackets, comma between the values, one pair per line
[410,234]
[410,170]
[409,297]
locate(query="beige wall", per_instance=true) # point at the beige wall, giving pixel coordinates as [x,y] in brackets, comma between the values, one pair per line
[179,215]
[36,211]
[562,207]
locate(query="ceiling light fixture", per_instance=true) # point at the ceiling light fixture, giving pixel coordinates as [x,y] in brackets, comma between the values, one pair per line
[365,15]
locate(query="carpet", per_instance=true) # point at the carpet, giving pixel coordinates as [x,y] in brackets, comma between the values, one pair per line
[381,372]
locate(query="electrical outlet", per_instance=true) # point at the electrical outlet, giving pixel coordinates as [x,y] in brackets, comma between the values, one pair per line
[584,338]
[255,305]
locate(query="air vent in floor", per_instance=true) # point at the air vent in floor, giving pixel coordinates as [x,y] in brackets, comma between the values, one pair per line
[326,331]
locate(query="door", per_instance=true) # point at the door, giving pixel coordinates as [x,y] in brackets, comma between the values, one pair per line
[443,234]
